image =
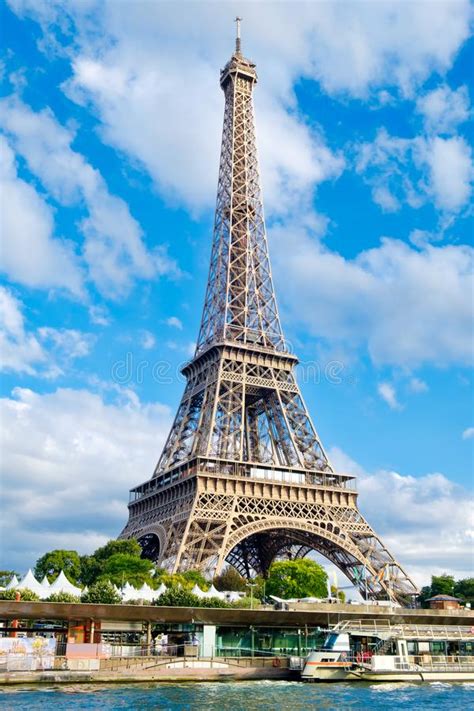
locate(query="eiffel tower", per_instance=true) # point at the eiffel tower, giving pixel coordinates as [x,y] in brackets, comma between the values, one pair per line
[243,477]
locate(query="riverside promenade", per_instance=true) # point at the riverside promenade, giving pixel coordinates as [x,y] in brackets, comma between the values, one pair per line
[119,643]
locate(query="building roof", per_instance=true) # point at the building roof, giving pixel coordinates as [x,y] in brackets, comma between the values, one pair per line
[443,598]
[322,614]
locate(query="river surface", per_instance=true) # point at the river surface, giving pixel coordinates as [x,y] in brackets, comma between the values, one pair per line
[241,696]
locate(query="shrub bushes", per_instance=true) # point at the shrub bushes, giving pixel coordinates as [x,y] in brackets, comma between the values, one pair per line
[103,593]
[63,597]
[26,595]
[179,597]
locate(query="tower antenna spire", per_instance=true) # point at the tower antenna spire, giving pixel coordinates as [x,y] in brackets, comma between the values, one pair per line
[238,20]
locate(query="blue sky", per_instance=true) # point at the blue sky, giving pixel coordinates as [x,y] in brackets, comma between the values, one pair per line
[110,122]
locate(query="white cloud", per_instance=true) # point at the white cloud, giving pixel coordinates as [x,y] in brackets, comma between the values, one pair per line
[416,385]
[426,522]
[406,306]
[132,89]
[147,340]
[388,393]
[174,322]
[444,109]
[384,198]
[44,352]
[68,342]
[468,433]
[69,447]
[415,170]
[348,47]
[29,254]
[451,171]
[55,444]
[99,315]
[19,351]
[146,77]
[190,348]
[113,241]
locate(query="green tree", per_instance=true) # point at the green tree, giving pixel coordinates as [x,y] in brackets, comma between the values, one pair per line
[92,566]
[63,597]
[340,594]
[121,567]
[180,597]
[101,592]
[445,585]
[177,597]
[26,595]
[195,577]
[186,580]
[442,584]
[6,576]
[129,546]
[297,578]
[230,579]
[464,589]
[246,603]
[52,563]
[425,594]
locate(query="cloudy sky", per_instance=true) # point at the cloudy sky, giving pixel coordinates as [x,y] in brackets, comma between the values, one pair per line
[110,122]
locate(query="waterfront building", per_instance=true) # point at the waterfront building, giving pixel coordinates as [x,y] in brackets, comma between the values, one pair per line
[443,602]
[136,631]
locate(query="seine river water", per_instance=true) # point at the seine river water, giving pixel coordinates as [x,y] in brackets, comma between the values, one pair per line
[242,696]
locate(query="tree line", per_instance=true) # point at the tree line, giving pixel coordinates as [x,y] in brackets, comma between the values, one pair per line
[446,585]
[118,562]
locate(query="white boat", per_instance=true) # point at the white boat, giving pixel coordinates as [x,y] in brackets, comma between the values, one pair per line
[365,651]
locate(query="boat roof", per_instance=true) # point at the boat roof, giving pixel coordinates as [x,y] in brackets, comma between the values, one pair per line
[385,630]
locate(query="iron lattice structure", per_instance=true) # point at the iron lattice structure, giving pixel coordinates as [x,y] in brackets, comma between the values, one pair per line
[243,476]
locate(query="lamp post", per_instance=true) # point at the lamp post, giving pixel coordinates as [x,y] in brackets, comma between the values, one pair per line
[251,586]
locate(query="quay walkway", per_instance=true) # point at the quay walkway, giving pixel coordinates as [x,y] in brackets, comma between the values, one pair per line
[319,614]
[133,643]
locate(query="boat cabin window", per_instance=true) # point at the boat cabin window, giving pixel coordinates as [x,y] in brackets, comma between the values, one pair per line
[330,641]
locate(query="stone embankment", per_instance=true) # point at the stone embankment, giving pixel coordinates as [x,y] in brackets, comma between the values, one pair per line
[127,671]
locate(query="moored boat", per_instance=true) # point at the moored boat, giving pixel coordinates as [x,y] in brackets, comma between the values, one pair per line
[385,652]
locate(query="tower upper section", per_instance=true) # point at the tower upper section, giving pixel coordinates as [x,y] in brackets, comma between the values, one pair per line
[240,304]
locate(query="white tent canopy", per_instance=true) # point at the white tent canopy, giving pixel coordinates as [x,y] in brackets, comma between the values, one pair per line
[128,592]
[12,584]
[198,592]
[29,582]
[45,583]
[162,589]
[213,592]
[146,593]
[63,585]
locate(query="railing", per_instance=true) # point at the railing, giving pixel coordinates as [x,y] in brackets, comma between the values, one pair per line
[404,631]
[428,662]
[228,468]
